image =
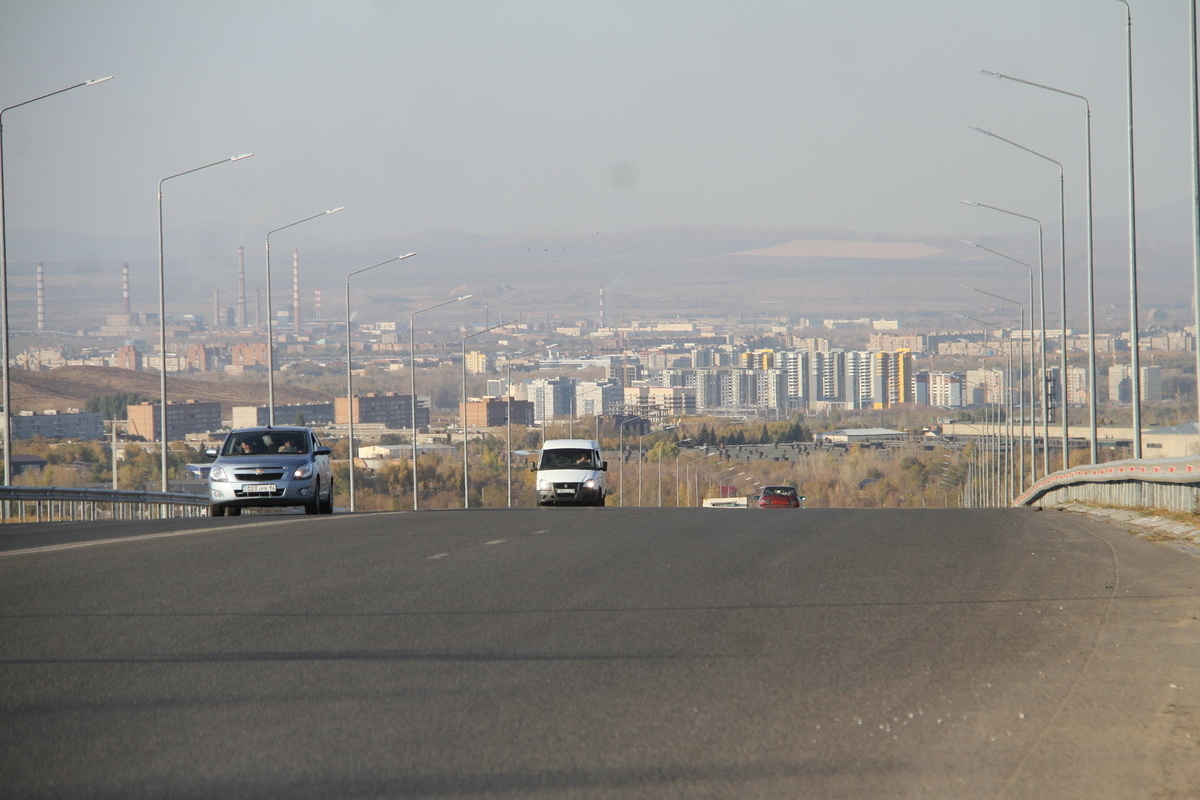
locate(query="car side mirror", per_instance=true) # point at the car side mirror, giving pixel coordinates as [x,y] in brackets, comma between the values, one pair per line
[604,466]
[322,451]
[533,466]
[211,453]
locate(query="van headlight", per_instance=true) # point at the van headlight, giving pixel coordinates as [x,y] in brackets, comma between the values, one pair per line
[590,483]
[217,474]
[303,472]
[545,486]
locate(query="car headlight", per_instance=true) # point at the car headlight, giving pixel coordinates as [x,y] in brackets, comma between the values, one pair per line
[545,485]
[590,484]
[303,471]
[217,474]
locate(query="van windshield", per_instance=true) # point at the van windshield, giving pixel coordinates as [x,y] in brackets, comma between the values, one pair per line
[568,459]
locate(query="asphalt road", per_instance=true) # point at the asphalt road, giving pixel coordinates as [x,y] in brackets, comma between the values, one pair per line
[597,653]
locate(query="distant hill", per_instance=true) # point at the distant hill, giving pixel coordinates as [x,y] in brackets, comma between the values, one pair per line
[665,271]
[70,387]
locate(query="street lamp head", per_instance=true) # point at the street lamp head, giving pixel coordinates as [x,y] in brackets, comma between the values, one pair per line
[335,210]
[98,80]
[972,244]
[969,203]
[239,158]
[989,73]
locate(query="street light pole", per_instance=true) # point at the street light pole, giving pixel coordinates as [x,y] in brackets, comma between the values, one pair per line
[466,487]
[162,315]
[687,473]
[1134,337]
[1195,102]
[508,412]
[350,371]
[1033,426]
[412,375]
[271,313]
[1062,257]
[6,398]
[1008,393]
[1042,339]
[621,450]
[1091,260]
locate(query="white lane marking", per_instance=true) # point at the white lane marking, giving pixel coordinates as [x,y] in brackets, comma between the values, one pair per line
[494,541]
[537,532]
[124,539]
[439,555]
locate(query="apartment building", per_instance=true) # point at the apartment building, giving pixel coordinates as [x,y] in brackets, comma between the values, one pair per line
[390,410]
[144,419]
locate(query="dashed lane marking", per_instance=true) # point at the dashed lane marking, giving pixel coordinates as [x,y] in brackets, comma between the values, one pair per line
[145,537]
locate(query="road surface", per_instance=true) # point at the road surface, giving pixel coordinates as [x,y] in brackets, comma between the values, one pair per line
[599,653]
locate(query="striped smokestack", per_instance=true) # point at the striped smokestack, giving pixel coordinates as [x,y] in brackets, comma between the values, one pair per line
[241,287]
[296,291]
[125,290]
[41,300]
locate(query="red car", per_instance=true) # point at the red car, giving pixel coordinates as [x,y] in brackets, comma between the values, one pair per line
[779,497]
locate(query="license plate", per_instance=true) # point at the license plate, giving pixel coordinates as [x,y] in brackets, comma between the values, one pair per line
[566,491]
[259,488]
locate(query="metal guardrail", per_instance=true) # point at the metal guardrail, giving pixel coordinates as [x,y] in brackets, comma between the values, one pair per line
[1170,484]
[57,504]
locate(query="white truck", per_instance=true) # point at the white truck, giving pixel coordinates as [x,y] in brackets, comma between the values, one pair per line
[570,472]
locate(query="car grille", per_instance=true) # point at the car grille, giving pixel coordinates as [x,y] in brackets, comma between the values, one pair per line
[259,475]
[567,490]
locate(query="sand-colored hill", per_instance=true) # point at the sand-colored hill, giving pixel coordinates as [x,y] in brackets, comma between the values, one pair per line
[70,387]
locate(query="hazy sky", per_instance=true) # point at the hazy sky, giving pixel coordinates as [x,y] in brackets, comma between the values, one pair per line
[519,116]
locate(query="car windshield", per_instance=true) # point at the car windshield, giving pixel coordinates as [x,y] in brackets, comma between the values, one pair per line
[259,443]
[780,490]
[567,459]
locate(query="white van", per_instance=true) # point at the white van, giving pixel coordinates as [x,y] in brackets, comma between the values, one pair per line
[570,472]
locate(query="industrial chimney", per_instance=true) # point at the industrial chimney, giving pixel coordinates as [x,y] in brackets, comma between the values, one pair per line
[41,300]
[296,291]
[241,287]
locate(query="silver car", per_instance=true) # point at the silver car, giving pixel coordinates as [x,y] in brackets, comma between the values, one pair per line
[272,466]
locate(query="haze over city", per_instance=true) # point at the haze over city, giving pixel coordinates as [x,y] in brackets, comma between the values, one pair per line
[520,118]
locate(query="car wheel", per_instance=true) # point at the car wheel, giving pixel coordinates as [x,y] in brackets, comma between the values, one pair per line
[234,511]
[314,506]
[216,510]
[326,505]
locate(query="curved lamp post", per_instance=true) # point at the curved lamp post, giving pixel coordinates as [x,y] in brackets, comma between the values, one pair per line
[1134,338]
[412,375]
[1195,103]
[1008,393]
[621,450]
[687,474]
[1091,261]
[6,399]
[162,313]
[350,370]
[1062,265]
[271,314]
[466,487]
[1033,426]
